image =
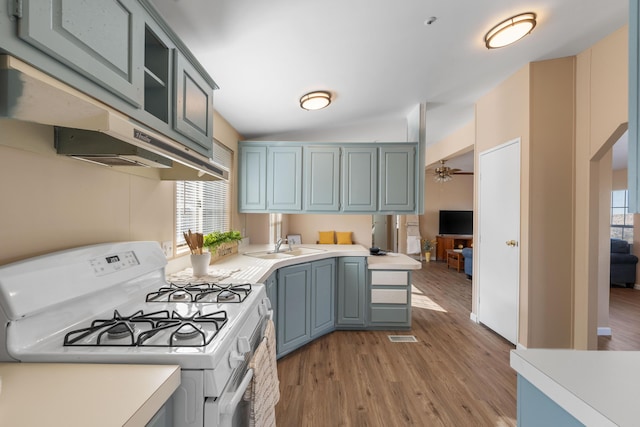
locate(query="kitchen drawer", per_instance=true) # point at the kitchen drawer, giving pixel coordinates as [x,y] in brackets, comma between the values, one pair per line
[388,296]
[393,278]
[389,315]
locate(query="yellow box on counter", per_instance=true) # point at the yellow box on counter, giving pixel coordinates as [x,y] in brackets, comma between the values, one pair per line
[223,250]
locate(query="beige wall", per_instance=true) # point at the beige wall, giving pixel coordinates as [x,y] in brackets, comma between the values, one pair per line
[456,194]
[50,202]
[550,195]
[459,142]
[619,180]
[501,116]
[308,226]
[601,116]
[536,104]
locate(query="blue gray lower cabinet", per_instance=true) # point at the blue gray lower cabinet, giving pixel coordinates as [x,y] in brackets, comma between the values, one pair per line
[352,283]
[323,279]
[535,409]
[315,298]
[294,307]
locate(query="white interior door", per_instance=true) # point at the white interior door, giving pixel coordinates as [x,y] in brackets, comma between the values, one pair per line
[499,234]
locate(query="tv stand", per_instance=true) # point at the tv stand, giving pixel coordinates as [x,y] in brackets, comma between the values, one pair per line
[450,241]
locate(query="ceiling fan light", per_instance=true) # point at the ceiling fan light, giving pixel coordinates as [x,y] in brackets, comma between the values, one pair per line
[315,100]
[510,30]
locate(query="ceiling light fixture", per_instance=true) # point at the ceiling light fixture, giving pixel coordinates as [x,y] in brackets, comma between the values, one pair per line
[315,100]
[510,30]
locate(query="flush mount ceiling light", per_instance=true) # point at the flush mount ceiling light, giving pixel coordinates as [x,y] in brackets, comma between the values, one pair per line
[510,30]
[315,100]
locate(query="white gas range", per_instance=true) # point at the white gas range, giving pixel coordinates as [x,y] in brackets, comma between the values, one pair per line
[111,303]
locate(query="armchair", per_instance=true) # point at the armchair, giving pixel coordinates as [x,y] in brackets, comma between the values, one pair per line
[467,253]
[623,264]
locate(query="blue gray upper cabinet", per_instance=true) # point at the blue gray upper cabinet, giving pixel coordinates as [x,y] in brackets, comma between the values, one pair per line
[397,178]
[322,179]
[252,182]
[284,179]
[359,179]
[103,40]
[194,103]
[349,178]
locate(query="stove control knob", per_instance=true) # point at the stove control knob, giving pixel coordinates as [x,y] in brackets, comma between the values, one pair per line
[243,345]
[235,359]
[265,307]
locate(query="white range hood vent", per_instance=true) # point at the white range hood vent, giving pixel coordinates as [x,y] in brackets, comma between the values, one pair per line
[30,95]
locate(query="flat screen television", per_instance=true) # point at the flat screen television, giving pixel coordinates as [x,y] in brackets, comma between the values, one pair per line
[456,222]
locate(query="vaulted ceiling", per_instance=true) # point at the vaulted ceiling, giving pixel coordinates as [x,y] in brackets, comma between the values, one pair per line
[378,58]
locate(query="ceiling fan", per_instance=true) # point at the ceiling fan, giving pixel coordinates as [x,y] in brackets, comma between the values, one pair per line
[444,173]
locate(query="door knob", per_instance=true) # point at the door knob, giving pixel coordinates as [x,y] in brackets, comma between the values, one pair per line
[512,243]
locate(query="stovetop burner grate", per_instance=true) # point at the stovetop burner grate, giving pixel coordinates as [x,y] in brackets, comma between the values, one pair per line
[156,329]
[208,293]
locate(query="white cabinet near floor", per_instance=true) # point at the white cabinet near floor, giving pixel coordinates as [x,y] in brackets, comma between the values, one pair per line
[389,299]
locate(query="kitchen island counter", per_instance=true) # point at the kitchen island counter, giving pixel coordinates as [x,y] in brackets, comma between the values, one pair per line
[66,394]
[595,387]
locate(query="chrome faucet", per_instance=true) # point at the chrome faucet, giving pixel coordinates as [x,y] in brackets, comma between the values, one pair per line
[278,244]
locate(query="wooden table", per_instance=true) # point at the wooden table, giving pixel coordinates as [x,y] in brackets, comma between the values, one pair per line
[455,259]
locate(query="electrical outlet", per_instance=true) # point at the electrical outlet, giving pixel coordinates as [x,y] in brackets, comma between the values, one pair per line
[167,248]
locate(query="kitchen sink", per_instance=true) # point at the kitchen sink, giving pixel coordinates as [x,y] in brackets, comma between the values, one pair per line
[284,253]
[303,251]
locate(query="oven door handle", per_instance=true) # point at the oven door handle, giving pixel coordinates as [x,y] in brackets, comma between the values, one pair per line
[230,406]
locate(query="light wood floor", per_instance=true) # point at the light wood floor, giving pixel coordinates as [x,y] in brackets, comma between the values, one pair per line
[457,374]
[624,317]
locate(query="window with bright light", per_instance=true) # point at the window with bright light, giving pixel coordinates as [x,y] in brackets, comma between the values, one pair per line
[203,206]
[621,219]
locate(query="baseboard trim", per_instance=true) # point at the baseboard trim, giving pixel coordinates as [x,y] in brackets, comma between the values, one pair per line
[604,332]
[636,286]
[520,347]
[473,317]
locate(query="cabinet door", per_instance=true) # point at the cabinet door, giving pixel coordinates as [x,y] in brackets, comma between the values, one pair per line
[103,40]
[252,179]
[271,285]
[359,184]
[284,179]
[294,300]
[397,178]
[323,274]
[322,179]
[351,291]
[194,105]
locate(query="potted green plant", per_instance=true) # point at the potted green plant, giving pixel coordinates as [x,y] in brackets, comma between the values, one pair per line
[217,238]
[222,243]
[428,247]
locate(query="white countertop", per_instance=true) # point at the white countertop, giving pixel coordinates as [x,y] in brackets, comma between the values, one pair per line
[244,268]
[598,388]
[69,395]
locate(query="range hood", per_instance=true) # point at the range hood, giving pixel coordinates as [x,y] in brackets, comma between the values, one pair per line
[90,130]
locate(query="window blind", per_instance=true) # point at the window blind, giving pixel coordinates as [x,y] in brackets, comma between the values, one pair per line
[203,206]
